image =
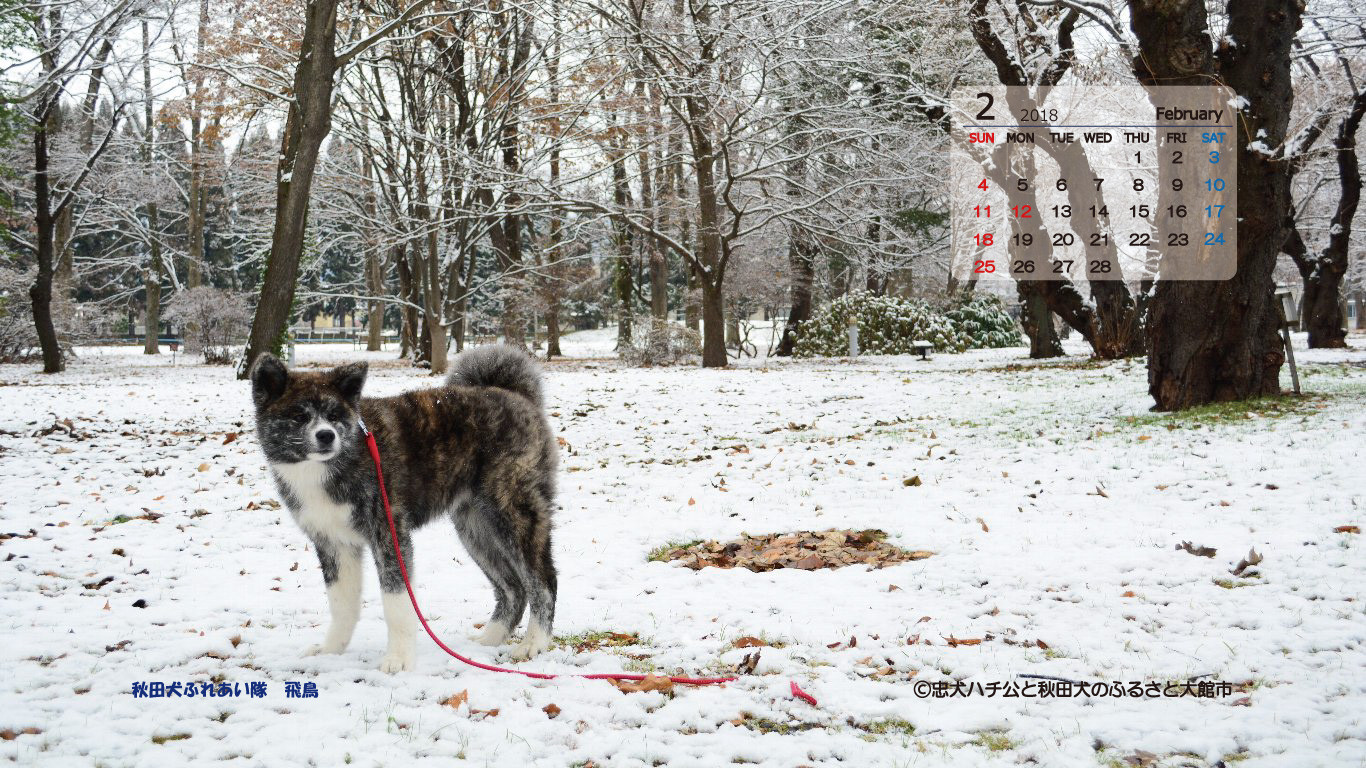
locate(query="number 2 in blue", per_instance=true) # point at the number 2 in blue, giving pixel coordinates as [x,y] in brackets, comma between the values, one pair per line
[1213,239]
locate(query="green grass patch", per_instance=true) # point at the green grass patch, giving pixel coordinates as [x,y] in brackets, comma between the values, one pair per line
[1234,412]
[594,640]
[995,741]
[1062,365]
[766,725]
[661,553]
[172,737]
[894,726]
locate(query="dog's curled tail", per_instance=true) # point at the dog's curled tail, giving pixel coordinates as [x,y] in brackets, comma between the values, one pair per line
[497,365]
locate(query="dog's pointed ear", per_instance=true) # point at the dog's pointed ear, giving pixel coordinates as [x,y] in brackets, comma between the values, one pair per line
[349,380]
[268,379]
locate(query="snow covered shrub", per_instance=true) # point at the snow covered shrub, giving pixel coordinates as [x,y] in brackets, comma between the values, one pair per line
[983,322]
[211,321]
[654,343]
[74,323]
[18,339]
[886,326]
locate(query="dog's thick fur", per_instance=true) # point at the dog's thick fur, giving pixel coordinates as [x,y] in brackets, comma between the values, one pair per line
[478,450]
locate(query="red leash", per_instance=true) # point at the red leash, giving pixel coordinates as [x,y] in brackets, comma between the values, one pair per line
[403,569]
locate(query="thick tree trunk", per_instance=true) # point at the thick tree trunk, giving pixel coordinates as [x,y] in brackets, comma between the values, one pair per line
[801,258]
[432,302]
[306,125]
[1321,311]
[1215,341]
[713,327]
[1037,320]
[709,243]
[152,311]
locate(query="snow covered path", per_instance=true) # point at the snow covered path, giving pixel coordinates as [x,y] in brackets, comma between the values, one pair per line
[142,543]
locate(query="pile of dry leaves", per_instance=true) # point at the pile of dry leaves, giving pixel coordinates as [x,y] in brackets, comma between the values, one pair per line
[805,550]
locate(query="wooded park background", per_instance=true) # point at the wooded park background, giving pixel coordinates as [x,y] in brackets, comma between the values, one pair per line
[510,169]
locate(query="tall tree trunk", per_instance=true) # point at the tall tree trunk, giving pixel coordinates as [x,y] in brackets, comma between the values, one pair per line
[1215,341]
[40,294]
[623,275]
[65,274]
[195,208]
[711,267]
[713,327]
[1321,310]
[306,125]
[407,313]
[152,274]
[517,30]
[374,285]
[554,271]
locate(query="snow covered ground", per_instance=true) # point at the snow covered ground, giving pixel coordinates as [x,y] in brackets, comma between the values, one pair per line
[143,544]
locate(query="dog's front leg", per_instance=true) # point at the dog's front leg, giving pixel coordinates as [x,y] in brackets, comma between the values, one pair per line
[341,574]
[401,653]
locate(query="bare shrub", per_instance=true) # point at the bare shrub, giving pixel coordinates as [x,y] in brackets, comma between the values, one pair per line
[213,322]
[660,343]
[74,323]
[18,340]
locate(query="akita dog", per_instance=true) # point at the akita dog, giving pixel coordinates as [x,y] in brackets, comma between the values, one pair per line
[477,450]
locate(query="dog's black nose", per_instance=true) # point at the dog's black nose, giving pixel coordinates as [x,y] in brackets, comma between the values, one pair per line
[325,437]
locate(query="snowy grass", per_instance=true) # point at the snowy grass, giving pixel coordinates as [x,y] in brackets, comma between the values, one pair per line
[1051,495]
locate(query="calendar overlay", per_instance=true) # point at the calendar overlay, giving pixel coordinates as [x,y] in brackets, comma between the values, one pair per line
[1094,183]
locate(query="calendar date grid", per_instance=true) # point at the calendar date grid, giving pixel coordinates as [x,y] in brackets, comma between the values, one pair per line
[1073,189]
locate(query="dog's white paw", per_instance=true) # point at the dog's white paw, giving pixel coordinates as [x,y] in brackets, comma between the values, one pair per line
[536,640]
[397,661]
[321,649]
[493,634]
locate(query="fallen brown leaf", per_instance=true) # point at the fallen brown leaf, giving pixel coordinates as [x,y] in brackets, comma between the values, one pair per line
[1197,551]
[1347,529]
[1247,562]
[649,683]
[749,642]
[551,711]
[455,701]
